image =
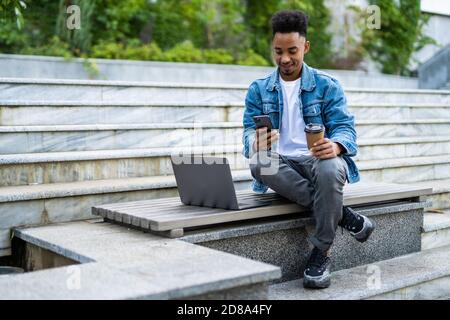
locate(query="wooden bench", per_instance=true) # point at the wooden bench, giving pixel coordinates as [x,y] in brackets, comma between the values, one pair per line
[169,217]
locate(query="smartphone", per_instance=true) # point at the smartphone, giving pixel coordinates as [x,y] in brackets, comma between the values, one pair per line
[263,121]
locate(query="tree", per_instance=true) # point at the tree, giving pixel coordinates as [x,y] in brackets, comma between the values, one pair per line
[257,18]
[79,40]
[401,35]
[319,18]
[259,13]
[12,9]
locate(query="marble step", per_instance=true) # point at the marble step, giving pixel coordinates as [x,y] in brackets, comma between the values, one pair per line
[441,192]
[55,138]
[30,139]
[406,170]
[436,229]
[118,263]
[369,149]
[402,147]
[59,167]
[15,113]
[41,204]
[25,66]
[421,275]
[13,89]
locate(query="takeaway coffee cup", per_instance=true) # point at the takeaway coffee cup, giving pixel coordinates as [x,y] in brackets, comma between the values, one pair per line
[314,132]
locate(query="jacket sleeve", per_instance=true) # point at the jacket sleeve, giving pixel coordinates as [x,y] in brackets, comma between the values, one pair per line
[338,121]
[252,108]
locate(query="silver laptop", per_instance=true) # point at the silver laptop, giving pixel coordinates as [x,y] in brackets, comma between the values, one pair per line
[207,182]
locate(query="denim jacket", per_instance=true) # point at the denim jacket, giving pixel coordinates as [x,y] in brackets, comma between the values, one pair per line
[322,101]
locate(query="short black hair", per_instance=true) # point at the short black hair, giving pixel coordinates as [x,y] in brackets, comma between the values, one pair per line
[287,21]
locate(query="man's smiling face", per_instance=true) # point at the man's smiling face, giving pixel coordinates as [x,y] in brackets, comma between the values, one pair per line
[289,50]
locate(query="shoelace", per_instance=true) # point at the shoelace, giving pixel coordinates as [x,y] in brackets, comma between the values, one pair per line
[317,258]
[349,219]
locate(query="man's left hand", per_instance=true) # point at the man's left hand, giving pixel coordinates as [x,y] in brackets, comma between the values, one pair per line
[326,149]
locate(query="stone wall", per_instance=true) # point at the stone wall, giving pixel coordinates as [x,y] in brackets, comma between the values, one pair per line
[19,66]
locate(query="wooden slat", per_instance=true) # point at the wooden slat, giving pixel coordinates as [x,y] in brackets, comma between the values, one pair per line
[227,216]
[169,213]
[173,201]
[197,219]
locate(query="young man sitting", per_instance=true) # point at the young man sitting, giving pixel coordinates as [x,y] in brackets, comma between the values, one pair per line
[293,96]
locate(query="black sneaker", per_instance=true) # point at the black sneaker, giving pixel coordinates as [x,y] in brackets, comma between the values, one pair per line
[317,272]
[359,226]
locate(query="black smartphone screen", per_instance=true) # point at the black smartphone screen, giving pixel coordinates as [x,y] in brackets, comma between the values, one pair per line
[263,121]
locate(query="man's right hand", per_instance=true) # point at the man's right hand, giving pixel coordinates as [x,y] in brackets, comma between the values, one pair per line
[264,139]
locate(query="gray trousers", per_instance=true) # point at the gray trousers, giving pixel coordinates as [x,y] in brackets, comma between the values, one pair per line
[311,182]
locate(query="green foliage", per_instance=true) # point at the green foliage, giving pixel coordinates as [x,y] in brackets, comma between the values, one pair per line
[12,10]
[118,20]
[79,40]
[55,47]
[210,31]
[319,18]
[133,51]
[219,56]
[401,34]
[205,23]
[251,58]
[167,26]
[91,68]
[258,19]
[37,30]
[183,52]
[11,38]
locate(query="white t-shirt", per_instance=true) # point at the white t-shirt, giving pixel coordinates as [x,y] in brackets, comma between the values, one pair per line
[292,141]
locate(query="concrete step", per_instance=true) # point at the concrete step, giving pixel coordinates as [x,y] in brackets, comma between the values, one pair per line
[60,167]
[369,149]
[436,229]
[130,189]
[12,89]
[27,139]
[52,138]
[422,275]
[25,66]
[406,170]
[116,263]
[77,195]
[66,113]
[441,192]
[15,113]
[41,204]
[401,147]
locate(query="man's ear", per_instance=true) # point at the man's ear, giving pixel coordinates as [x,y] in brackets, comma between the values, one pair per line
[307,46]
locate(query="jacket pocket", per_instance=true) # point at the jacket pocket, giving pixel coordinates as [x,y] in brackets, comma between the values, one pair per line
[272,110]
[313,114]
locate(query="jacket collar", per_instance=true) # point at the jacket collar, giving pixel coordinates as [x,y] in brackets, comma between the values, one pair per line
[308,83]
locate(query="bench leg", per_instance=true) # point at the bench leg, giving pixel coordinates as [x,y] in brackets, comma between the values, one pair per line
[176,233]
